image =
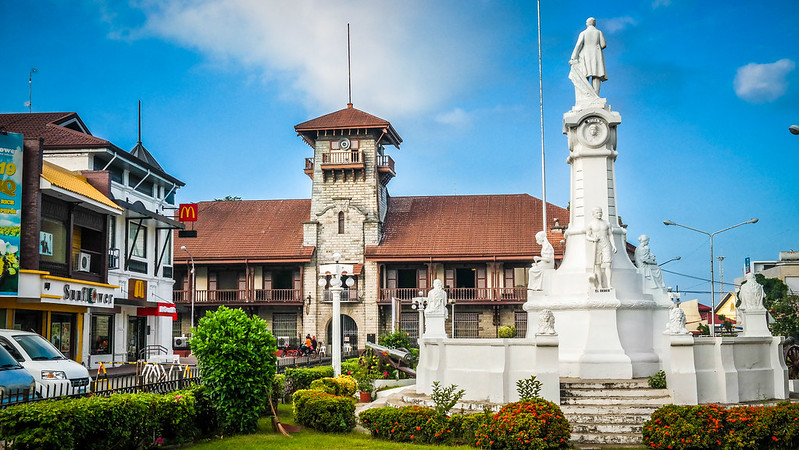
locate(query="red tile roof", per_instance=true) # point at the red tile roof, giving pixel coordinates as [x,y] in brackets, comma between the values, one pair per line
[257,230]
[465,227]
[44,125]
[347,119]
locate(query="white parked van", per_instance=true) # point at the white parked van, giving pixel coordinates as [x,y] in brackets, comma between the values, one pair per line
[54,373]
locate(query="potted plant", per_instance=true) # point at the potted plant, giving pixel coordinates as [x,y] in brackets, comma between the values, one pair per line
[365,386]
[365,375]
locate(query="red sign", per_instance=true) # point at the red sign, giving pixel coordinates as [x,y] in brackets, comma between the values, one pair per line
[163,309]
[187,212]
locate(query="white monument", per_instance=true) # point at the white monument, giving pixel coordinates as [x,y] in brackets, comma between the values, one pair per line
[435,313]
[597,315]
[541,264]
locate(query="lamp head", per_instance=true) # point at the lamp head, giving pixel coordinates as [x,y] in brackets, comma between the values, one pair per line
[668,222]
[183,247]
[794,129]
[753,220]
[336,256]
[350,281]
[678,258]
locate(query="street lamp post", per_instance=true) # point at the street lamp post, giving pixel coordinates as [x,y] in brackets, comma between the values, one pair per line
[676,258]
[712,273]
[336,271]
[420,303]
[193,284]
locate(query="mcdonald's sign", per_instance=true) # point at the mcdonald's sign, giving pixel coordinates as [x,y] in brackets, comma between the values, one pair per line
[137,289]
[187,212]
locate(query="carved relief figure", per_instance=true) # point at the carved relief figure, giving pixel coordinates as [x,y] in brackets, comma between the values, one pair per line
[587,55]
[599,234]
[751,294]
[647,264]
[541,263]
[546,322]
[437,300]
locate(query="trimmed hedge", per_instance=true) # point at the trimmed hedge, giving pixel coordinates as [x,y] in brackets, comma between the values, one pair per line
[297,379]
[118,421]
[421,425]
[535,423]
[343,385]
[324,412]
[713,426]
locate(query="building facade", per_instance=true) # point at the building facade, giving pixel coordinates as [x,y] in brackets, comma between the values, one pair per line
[265,255]
[137,251]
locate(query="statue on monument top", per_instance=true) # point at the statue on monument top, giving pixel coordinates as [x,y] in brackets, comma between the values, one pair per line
[541,263]
[599,234]
[588,64]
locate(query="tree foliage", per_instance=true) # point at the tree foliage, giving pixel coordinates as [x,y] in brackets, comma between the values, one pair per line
[236,355]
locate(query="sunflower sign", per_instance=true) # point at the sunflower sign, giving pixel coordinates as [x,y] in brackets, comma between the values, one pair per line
[10,217]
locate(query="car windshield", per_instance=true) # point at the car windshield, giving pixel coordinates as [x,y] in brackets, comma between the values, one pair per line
[37,347]
[6,360]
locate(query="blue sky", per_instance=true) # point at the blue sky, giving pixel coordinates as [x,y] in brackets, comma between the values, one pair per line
[706,91]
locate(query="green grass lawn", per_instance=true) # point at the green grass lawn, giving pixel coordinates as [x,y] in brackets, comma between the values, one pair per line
[265,437]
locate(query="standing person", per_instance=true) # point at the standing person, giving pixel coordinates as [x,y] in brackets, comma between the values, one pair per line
[313,343]
[599,233]
[588,52]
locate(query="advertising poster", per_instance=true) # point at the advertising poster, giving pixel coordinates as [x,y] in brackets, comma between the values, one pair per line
[10,216]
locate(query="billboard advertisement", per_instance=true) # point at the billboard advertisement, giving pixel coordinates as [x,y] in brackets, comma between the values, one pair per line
[10,216]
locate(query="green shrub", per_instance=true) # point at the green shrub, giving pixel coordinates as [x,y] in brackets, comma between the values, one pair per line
[526,424]
[529,388]
[278,388]
[343,385]
[674,426]
[397,339]
[324,412]
[658,380]
[297,379]
[127,421]
[420,425]
[236,355]
[712,426]
[507,331]
[445,398]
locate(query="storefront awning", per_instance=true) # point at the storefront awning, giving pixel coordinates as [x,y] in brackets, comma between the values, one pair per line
[137,210]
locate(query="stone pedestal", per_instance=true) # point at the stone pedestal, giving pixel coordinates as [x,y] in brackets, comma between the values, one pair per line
[755,323]
[434,324]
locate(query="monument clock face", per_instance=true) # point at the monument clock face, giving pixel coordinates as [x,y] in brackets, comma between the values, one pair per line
[593,132]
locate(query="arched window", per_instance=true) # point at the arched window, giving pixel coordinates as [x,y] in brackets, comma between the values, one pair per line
[341,222]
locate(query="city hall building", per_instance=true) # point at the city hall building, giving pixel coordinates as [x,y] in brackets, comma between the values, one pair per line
[265,255]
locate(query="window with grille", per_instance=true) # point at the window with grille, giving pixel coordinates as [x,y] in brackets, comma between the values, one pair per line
[284,325]
[409,323]
[467,324]
[521,324]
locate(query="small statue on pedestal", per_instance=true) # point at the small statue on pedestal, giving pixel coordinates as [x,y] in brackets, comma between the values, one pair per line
[546,322]
[676,323]
[541,263]
[647,264]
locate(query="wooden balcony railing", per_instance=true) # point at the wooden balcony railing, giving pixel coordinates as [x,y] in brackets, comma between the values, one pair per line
[385,162]
[342,158]
[347,295]
[510,294]
[225,296]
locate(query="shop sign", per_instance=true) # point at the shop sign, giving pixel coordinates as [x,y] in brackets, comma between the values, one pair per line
[187,212]
[10,216]
[137,289]
[76,293]
[161,310]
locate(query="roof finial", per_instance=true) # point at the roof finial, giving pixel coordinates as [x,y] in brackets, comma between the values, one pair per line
[139,141]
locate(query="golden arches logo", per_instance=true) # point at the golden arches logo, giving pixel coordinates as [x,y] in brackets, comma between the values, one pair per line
[188,212]
[138,289]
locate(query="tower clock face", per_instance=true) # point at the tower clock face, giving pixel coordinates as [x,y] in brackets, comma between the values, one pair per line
[344,143]
[593,132]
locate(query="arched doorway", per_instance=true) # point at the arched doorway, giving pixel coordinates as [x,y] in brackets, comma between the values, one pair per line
[349,333]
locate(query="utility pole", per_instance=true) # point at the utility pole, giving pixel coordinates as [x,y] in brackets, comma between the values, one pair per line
[721,274]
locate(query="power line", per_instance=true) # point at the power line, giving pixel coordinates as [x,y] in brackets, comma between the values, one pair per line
[697,278]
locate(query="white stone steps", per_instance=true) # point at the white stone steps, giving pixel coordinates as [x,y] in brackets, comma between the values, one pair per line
[604,428]
[625,419]
[570,410]
[583,392]
[614,400]
[617,439]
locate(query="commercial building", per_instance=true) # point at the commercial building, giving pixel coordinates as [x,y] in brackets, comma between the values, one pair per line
[136,250]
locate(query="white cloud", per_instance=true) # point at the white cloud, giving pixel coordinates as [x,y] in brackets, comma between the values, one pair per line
[659,3]
[762,83]
[457,118]
[616,24]
[405,59]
